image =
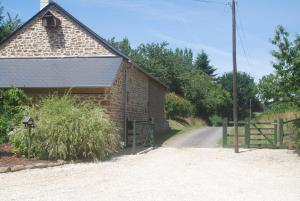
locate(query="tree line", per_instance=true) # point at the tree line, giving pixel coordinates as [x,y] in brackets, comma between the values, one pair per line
[193,78]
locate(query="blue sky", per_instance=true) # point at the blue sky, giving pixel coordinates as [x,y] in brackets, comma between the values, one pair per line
[186,23]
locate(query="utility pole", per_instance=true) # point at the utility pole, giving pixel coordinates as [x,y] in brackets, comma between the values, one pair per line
[234,84]
[250,109]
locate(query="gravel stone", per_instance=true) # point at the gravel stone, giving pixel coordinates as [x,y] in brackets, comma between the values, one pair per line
[165,174]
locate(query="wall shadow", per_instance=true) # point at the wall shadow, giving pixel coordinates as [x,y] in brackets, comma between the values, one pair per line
[56,38]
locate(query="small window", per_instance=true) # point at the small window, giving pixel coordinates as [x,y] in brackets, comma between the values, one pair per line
[50,21]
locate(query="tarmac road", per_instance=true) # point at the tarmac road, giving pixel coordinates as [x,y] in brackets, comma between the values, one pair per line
[199,138]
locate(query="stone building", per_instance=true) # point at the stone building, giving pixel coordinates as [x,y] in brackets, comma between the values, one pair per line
[54,52]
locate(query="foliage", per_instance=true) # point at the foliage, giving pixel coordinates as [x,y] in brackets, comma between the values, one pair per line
[216,120]
[123,45]
[247,90]
[177,106]
[11,101]
[202,63]
[208,97]
[287,65]
[280,91]
[8,24]
[278,108]
[269,89]
[164,63]
[180,73]
[67,128]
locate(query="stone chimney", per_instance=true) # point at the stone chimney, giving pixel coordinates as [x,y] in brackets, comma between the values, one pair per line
[44,3]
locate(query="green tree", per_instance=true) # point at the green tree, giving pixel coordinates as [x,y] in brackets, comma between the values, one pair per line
[287,65]
[203,63]
[163,63]
[8,24]
[11,101]
[247,90]
[123,45]
[208,96]
[269,89]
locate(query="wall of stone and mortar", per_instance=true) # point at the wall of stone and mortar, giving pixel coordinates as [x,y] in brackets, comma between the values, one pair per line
[35,40]
[145,97]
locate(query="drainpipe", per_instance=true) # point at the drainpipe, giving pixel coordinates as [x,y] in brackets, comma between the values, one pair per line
[125,105]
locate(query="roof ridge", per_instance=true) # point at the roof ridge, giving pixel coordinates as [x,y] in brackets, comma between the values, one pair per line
[69,57]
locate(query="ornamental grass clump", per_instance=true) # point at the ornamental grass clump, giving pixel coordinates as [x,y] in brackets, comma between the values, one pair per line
[67,129]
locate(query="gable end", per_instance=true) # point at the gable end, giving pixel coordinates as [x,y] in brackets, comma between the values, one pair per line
[34,40]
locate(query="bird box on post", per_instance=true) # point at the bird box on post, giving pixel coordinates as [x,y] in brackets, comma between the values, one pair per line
[28,122]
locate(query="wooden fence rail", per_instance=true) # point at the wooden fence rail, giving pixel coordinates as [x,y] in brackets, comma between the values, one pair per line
[140,134]
[260,134]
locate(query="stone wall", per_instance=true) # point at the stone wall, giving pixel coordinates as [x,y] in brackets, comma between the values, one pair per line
[156,105]
[137,94]
[145,98]
[38,41]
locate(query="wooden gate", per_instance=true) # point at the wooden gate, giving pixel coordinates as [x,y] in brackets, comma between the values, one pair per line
[140,134]
[276,134]
[262,134]
[251,134]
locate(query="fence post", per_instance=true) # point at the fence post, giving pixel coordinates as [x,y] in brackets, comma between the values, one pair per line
[134,138]
[152,134]
[281,133]
[247,132]
[225,125]
[275,132]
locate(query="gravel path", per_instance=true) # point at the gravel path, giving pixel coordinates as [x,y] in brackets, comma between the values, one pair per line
[199,138]
[165,174]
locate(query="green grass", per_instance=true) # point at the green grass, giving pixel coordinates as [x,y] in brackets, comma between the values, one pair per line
[178,127]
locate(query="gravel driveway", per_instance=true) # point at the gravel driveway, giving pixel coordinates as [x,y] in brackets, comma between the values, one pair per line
[166,174]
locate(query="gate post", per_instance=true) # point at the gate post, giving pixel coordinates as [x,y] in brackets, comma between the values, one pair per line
[225,125]
[281,132]
[247,132]
[275,132]
[134,138]
[152,133]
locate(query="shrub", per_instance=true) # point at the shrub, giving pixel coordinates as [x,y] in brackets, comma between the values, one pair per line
[216,120]
[177,106]
[11,101]
[67,129]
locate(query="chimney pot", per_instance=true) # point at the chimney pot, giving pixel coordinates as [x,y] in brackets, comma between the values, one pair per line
[44,3]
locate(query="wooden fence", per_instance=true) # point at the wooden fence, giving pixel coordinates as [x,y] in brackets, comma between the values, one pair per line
[140,134]
[267,134]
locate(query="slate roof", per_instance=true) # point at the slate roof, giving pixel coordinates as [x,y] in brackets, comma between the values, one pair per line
[58,72]
[99,38]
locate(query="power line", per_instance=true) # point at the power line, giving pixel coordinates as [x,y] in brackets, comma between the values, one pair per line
[242,35]
[212,2]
